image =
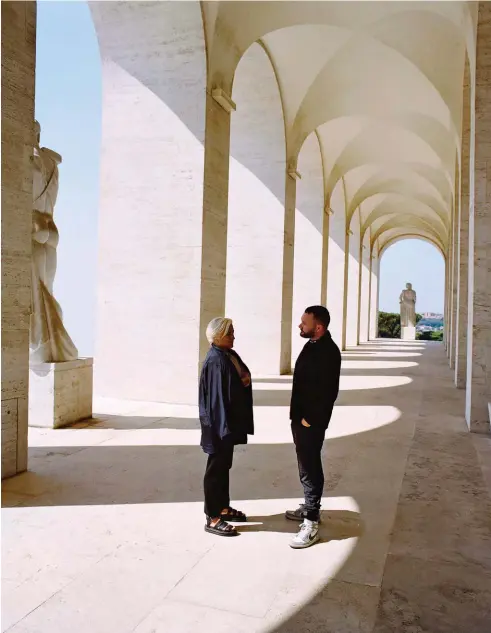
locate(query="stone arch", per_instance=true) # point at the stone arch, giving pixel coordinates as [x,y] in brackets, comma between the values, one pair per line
[256,212]
[407,236]
[310,232]
[151,209]
[391,240]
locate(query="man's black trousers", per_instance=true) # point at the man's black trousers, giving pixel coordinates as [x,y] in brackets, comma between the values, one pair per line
[308,444]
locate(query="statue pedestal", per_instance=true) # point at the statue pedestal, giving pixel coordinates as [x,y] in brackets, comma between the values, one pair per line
[60,393]
[408,333]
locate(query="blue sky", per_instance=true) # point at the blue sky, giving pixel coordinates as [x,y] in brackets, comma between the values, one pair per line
[416,262]
[68,107]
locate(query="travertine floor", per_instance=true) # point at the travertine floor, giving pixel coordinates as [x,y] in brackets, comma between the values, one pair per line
[105,533]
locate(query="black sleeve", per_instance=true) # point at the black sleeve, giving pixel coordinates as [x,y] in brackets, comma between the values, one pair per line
[215,397]
[323,388]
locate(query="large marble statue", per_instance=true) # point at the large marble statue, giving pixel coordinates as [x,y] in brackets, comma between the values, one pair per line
[407,302]
[49,341]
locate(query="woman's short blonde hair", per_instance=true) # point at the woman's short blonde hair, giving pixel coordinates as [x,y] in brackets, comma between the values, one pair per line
[217,329]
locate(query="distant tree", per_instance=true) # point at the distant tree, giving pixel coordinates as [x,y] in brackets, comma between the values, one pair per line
[389,325]
[429,336]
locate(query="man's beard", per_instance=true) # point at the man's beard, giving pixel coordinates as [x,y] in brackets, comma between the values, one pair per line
[308,334]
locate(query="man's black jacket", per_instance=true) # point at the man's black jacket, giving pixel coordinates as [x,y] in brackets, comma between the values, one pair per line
[316,382]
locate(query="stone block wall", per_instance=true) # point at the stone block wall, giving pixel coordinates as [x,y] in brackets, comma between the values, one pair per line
[18,84]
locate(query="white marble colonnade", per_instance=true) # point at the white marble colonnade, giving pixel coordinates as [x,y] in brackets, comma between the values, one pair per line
[165,229]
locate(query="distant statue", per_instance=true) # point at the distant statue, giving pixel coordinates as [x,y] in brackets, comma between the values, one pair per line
[49,341]
[407,302]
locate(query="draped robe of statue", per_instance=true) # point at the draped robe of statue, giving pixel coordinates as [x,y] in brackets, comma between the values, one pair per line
[49,341]
[407,302]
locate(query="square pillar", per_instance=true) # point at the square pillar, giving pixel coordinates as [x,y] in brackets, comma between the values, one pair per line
[478,392]
[463,242]
[288,262]
[215,216]
[18,86]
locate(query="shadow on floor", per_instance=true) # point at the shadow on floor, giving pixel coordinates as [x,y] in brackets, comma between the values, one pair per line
[110,474]
[121,423]
[437,571]
[336,525]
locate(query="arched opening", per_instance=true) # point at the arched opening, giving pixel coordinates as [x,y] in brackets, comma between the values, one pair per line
[420,263]
[309,227]
[151,206]
[68,109]
[256,212]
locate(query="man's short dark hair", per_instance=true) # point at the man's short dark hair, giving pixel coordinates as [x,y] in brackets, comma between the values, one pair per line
[320,314]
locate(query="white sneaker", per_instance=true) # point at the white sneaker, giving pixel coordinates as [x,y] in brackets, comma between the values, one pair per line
[308,535]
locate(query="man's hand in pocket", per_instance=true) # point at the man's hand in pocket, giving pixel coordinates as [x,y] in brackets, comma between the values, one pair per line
[305,423]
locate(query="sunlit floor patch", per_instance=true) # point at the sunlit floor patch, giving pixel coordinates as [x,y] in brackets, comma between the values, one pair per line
[350,383]
[377,364]
[105,533]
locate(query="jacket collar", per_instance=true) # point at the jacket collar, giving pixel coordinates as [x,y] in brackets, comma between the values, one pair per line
[323,339]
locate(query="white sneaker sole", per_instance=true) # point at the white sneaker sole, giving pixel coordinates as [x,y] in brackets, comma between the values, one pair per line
[305,545]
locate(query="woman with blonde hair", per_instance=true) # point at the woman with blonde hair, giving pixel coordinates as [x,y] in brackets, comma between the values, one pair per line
[226,417]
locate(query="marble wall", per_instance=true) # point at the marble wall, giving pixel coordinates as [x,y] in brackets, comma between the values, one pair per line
[18,84]
[479,291]
[156,225]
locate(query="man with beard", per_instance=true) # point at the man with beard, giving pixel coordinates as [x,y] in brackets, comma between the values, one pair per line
[315,389]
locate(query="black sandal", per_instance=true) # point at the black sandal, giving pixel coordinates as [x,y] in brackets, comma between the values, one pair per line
[221,528]
[234,516]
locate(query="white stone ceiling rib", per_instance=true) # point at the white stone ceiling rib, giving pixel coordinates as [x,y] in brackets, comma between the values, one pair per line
[393,204]
[381,85]
[404,180]
[412,189]
[395,235]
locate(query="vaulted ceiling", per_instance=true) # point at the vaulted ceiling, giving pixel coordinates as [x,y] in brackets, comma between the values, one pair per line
[380,83]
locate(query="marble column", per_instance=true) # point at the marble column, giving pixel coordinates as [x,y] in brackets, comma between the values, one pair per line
[325,254]
[336,263]
[463,242]
[449,290]
[478,391]
[215,209]
[363,318]
[287,286]
[454,287]
[18,86]
[445,308]
[352,282]
[374,293]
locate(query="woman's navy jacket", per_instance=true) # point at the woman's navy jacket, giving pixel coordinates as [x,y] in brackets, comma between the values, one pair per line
[225,404]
